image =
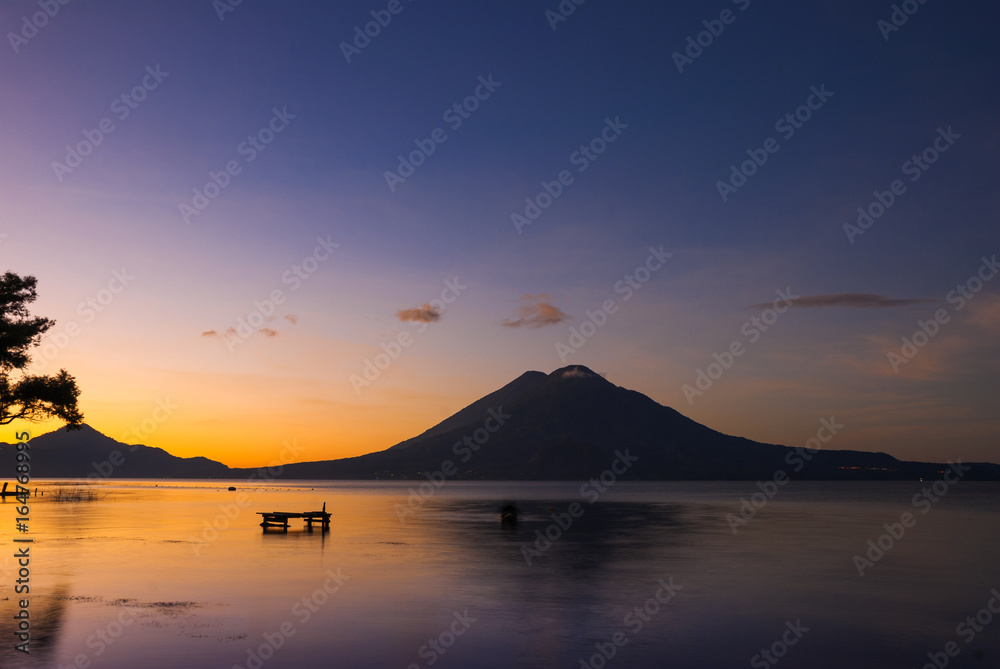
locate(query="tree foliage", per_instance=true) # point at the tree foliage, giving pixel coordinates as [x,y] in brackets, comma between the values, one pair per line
[30,397]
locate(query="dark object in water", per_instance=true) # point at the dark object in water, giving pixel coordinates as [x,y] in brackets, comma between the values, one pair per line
[508,514]
[13,493]
[232,487]
[280,519]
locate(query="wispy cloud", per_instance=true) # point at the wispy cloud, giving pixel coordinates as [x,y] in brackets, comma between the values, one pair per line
[853,300]
[291,318]
[578,373]
[231,332]
[536,311]
[425,313]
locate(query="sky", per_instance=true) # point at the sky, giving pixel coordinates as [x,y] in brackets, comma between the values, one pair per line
[335,224]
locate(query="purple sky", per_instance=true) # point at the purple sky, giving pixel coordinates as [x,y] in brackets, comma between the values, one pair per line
[281,230]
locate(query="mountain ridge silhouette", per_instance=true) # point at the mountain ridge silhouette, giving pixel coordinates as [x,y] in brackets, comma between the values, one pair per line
[566,425]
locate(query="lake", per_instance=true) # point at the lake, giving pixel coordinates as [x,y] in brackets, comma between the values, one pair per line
[180,574]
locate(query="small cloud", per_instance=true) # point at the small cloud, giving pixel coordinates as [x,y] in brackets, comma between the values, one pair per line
[425,313]
[231,333]
[577,373]
[291,318]
[536,311]
[853,300]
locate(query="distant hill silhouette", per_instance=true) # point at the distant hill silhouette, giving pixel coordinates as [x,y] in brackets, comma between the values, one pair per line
[80,453]
[567,425]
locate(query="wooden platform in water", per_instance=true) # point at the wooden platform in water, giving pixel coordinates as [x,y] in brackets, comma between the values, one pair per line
[281,518]
[13,493]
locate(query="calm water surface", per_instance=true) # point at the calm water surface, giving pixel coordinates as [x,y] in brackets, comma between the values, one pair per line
[142,577]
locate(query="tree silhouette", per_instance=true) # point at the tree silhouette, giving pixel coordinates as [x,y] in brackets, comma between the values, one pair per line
[31,397]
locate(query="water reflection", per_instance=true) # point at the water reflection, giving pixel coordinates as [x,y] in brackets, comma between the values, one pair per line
[47,612]
[546,534]
[543,591]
